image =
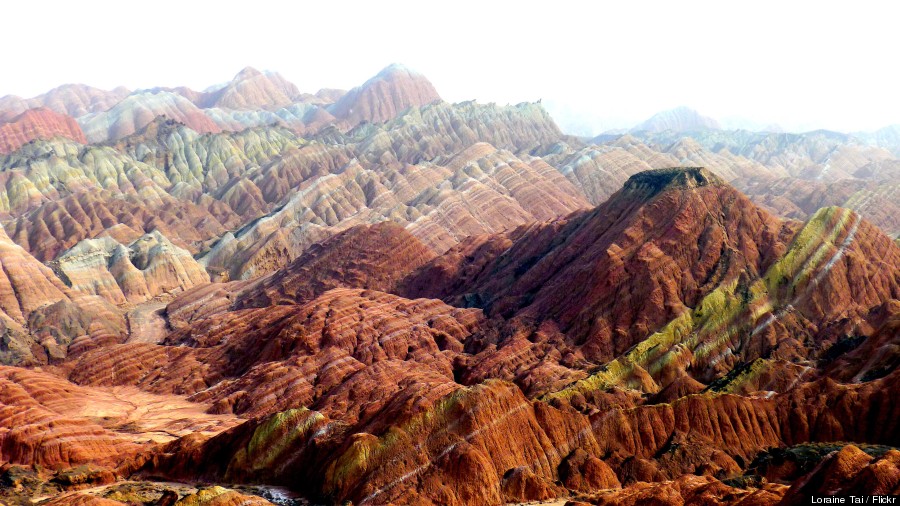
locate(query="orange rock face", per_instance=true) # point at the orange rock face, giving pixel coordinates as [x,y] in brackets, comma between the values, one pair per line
[32,433]
[42,318]
[351,333]
[37,124]
[377,398]
[382,298]
[849,471]
[373,257]
[798,198]
[384,96]
[60,224]
[575,271]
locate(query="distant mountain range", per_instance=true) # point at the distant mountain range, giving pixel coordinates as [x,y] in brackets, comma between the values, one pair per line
[255,295]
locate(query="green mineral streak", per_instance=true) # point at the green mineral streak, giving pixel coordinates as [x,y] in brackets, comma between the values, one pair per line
[706,329]
[808,250]
[856,198]
[740,376]
[615,372]
[726,312]
[270,440]
[202,496]
[361,457]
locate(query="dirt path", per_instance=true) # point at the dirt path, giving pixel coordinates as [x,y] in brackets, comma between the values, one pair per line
[146,323]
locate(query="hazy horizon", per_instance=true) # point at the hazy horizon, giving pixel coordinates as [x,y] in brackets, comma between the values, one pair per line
[801,66]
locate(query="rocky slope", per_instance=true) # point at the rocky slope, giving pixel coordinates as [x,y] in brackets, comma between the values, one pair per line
[37,124]
[482,189]
[384,97]
[249,90]
[135,272]
[42,318]
[139,109]
[799,198]
[58,225]
[792,175]
[74,100]
[381,398]
[168,173]
[374,257]
[413,302]
[819,155]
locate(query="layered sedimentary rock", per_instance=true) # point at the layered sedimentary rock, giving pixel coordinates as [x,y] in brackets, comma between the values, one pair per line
[251,89]
[450,452]
[389,399]
[586,256]
[786,292]
[223,165]
[600,171]
[799,198]
[365,341]
[690,489]
[58,225]
[139,109]
[849,471]
[671,344]
[439,130]
[42,317]
[238,177]
[133,272]
[384,97]
[480,190]
[37,124]
[48,170]
[50,422]
[839,172]
[374,257]
[74,100]
[819,155]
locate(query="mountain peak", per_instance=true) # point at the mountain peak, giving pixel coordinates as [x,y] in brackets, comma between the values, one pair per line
[679,119]
[385,96]
[397,68]
[658,180]
[247,73]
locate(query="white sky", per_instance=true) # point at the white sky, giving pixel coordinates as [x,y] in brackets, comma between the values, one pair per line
[799,64]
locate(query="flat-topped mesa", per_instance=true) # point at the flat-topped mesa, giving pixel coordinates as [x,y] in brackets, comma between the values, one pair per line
[659,180]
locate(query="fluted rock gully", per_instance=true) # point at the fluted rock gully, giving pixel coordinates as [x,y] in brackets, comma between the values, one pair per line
[254,295]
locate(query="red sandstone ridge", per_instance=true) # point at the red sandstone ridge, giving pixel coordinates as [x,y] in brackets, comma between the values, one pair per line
[606,276]
[373,257]
[330,354]
[38,123]
[391,400]
[384,96]
[678,280]
[251,89]
[59,224]
[849,471]
[660,347]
